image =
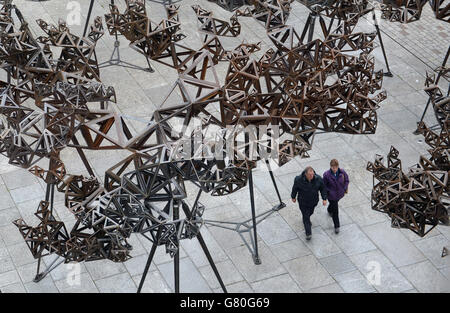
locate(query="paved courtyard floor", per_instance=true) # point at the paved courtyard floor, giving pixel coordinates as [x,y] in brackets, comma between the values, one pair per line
[347,262]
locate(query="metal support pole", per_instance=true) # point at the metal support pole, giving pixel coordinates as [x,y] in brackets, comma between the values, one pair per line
[305,29]
[82,156]
[47,193]
[52,197]
[330,25]
[274,182]
[40,276]
[205,249]
[211,261]
[37,277]
[311,28]
[149,260]
[256,258]
[416,132]
[388,73]
[88,18]
[117,61]
[176,263]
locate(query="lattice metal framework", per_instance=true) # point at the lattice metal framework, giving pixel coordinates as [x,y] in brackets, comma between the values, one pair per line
[298,87]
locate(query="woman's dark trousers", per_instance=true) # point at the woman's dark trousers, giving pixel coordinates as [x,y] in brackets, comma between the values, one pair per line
[333,209]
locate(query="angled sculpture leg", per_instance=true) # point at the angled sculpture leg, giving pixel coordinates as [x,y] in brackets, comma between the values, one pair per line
[388,73]
[205,248]
[309,27]
[282,204]
[211,261]
[256,258]
[308,23]
[176,259]
[88,18]
[52,197]
[444,63]
[176,270]
[82,156]
[116,60]
[149,260]
[51,267]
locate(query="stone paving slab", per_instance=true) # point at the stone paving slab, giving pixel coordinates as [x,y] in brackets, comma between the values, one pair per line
[328,263]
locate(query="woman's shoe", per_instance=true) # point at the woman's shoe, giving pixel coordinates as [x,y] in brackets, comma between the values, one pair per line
[336,230]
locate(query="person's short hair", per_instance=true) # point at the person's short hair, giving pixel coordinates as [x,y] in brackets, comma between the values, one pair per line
[334,162]
[308,168]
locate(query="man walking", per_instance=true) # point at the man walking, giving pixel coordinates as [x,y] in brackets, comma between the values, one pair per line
[336,181]
[306,188]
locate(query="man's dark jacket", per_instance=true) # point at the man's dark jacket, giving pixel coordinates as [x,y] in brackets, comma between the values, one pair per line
[308,192]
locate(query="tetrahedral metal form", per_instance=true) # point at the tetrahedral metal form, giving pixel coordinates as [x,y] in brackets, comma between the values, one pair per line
[210,131]
[406,11]
[419,199]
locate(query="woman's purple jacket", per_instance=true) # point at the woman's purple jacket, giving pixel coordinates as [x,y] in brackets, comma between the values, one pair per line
[336,187]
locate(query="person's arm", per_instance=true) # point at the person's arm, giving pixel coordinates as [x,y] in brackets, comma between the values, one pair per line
[323,191]
[294,190]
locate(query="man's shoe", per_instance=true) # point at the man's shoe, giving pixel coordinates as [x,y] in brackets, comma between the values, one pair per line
[308,237]
[336,230]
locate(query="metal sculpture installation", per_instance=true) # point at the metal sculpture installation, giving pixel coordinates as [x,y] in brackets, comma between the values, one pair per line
[420,198]
[440,100]
[210,131]
[406,11]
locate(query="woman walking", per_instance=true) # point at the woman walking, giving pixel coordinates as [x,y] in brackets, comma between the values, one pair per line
[336,181]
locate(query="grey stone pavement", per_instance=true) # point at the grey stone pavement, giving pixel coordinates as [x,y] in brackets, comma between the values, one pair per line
[347,262]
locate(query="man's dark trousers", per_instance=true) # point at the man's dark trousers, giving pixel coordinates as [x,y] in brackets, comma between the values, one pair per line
[307,211]
[333,209]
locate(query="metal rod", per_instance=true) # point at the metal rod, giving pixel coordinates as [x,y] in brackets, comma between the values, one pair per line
[273,181]
[416,132]
[195,206]
[82,156]
[52,197]
[256,259]
[311,28]
[40,276]
[305,29]
[205,249]
[176,263]
[149,260]
[388,73]
[88,18]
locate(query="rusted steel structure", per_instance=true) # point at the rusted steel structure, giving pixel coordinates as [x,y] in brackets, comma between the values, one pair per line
[440,99]
[296,88]
[420,198]
[406,11]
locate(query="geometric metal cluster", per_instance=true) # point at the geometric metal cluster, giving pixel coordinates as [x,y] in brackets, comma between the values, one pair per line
[60,88]
[200,132]
[440,100]
[406,11]
[289,87]
[419,198]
